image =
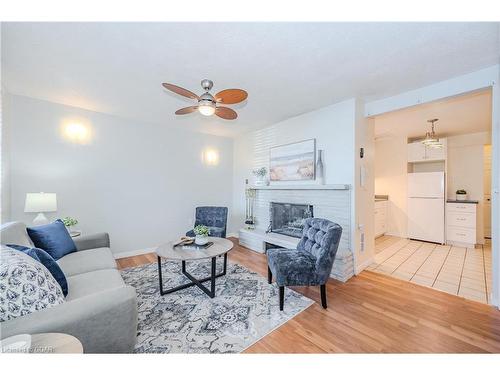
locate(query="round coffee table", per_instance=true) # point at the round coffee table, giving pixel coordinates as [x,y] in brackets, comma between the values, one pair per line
[220,247]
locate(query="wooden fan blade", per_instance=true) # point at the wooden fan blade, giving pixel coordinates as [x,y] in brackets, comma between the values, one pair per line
[186,110]
[231,96]
[226,113]
[180,91]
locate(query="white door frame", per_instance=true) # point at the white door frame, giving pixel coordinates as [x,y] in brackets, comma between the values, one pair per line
[479,80]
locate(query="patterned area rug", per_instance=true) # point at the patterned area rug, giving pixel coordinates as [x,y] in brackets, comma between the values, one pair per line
[245,309]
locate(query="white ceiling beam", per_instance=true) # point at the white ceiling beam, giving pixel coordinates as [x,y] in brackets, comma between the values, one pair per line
[478,80]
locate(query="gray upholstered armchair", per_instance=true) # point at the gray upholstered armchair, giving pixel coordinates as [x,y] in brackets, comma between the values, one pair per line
[311,263]
[215,218]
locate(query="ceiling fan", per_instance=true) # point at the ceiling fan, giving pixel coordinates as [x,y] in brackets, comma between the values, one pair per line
[208,104]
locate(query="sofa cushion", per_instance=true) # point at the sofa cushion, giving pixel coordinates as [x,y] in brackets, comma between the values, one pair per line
[15,232]
[26,285]
[89,283]
[87,261]
[53,238]
[49,262]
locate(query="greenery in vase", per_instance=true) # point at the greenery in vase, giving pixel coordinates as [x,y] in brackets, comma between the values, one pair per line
[69,221]
[461,191]
[201,230]
[261,172]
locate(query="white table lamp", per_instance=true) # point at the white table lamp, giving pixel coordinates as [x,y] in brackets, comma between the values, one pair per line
[40,202]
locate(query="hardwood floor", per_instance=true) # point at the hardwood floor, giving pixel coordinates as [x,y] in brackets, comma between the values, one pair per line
[373,313]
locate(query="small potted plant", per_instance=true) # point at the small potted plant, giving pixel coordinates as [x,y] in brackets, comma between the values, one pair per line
[69,222]
[202,232]
[260,174]
[461,195]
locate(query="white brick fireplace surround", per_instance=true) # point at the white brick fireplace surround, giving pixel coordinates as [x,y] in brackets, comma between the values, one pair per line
[332,202]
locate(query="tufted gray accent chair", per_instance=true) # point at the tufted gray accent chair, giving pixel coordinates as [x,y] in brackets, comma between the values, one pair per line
[311,263]
[215,218]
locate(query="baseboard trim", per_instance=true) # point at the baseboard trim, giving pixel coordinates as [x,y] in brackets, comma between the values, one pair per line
[235,235]
[493,301]
[400,235]
[364,265]
[126,254]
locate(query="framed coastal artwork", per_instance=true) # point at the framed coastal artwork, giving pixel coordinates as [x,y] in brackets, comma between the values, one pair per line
[293,161]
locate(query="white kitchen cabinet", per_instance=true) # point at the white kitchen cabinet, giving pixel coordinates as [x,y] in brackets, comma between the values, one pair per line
[437,153]
[461,223]
[418,152]
[380,218]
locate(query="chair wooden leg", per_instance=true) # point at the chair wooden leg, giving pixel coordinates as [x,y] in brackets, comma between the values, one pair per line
[282,297]
[269,275]
[323,295]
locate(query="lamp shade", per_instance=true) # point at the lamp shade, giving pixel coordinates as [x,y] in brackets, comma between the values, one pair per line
[40,202]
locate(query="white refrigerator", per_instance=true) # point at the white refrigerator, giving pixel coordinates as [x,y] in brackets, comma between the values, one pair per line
[426,204]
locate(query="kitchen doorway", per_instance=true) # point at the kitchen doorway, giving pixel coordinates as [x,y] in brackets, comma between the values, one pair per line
[433,204]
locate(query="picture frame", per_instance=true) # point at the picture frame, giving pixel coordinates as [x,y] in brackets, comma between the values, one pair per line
[294,161]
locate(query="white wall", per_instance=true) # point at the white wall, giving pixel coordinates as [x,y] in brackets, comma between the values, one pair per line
[495,188]
[465,171]
[4,154]
[390,179]
[333,128]
[340,130]
[140,182]
[363,225]
[5,164]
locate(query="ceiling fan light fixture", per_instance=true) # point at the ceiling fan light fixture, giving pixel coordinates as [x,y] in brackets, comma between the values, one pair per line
[206,108]
[209,104]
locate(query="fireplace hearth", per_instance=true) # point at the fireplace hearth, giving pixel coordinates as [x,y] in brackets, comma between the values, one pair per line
[289,218]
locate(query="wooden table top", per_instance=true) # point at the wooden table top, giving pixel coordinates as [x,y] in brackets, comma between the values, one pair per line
[220,247]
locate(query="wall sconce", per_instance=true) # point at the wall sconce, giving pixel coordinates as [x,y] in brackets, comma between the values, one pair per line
[211,157]
[76,132]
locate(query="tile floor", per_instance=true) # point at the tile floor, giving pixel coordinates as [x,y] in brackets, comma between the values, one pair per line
[465,272]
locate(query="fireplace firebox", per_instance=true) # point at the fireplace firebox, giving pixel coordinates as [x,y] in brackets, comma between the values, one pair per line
[288,218]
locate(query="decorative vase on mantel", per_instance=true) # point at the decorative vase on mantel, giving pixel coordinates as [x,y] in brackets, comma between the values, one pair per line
[260,180]
[320,168]
[260,176]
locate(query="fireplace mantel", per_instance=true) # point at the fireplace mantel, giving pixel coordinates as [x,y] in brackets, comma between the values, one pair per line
[301,187]
[331,202]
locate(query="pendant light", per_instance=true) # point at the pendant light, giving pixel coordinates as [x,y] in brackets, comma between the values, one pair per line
[431,139]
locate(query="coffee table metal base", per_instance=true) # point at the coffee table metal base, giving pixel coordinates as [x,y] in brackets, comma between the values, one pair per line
[194,281]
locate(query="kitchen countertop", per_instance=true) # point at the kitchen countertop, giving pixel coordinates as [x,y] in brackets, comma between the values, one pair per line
[379,198]
[466,201]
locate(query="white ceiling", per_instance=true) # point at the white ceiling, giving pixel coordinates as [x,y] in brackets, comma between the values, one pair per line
[460,115]
[287,68]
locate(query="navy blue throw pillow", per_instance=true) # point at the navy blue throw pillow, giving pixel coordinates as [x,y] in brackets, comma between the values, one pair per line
[49,262]
[53,238]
